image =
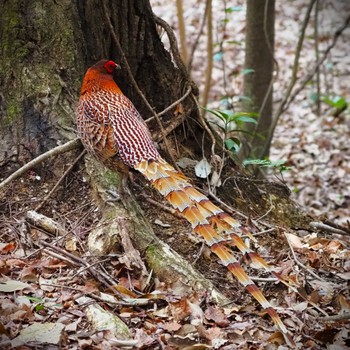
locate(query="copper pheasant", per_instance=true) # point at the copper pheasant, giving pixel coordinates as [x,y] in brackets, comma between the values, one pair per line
[113,131]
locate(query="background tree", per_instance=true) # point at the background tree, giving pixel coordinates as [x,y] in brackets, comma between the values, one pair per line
[258,80]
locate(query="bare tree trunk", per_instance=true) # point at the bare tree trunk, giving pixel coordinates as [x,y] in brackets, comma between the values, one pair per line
[258,84]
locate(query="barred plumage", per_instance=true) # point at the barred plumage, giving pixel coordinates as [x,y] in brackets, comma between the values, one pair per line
[112,130]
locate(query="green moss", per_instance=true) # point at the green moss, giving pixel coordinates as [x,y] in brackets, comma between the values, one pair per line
[13,111]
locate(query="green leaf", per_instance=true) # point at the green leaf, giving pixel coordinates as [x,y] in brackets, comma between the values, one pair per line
[233,9]
[220,114]
[261,162]
[218,56]
[39,307]
[35,299]
[218,125]
[233,145]
[234,42]
[243,119]
[246,71]
[314,97]
[243,98]
[339,102]
[266,163]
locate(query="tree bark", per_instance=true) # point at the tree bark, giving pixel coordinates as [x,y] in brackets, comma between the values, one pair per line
[258,84]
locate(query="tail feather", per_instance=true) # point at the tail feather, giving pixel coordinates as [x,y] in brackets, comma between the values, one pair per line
[218,229]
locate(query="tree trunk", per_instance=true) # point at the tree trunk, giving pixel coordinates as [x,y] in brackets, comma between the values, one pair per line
[258,84]
[45,50]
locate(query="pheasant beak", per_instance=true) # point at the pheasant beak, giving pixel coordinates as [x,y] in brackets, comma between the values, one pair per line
[117,66]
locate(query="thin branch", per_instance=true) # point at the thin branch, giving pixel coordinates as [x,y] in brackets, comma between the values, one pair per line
[134,302]
[161,206]
[182,30]
[174,104]
[209,69]
[294,77]
[317,55]
[69,146]
[344,316]
[60,180]
[336,36]
[325,227]
[299,263]
[104,278]
[173,46]
[206,127]
[196,42]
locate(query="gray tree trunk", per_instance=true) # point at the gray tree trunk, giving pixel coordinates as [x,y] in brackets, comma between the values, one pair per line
[257,85]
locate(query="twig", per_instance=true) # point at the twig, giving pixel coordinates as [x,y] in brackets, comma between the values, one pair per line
[206,127]
[161,206]
[323,226]
[196,42]
[135,85]
[89,266]
[182,30]
[60,257]
[45,223]
[299,263]
[69,146]
[174,104]
[99,275]
[317,55]
[209,69]
[344,316]
[173,46]
[60,180]
[139,302]
[318,64]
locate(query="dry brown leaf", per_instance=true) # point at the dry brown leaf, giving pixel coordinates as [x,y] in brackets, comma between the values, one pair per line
[40,332]
[332,247]
[171,326]
[217,315]
[7,247]
[295,241]
[343,303]
[180,310]
[29,274]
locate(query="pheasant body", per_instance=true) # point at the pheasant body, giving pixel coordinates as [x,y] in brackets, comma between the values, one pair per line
[113,131]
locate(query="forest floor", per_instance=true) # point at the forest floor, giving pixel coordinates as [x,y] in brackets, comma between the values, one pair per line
[50,298]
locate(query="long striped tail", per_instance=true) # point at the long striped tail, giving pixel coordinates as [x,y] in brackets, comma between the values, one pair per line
[216,227]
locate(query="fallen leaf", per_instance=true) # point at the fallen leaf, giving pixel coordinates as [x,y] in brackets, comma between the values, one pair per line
[41,333]
[202,169]
[295,241]
[6,248]
[12,285]
[172,326]
[217,315]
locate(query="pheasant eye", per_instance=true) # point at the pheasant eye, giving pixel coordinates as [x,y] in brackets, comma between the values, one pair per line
[110,66]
